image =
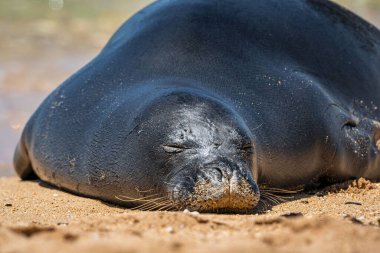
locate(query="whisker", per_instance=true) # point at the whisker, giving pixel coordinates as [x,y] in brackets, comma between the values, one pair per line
[261,205]
[272,201]
[270,194]
[271,198]
[139,207]
[126,198]
[154,204]
[148,203]
[282,198]
[144,191]
[157,206]
[168,205]
[146,207]
[264,203]
[150,208]
[263,188]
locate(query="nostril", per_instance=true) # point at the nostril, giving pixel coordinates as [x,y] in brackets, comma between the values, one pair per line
[216,173]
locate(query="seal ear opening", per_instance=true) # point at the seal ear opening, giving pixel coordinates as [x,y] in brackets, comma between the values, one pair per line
[22,165]
[350,123]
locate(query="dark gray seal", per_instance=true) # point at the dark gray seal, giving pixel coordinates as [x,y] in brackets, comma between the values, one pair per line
[193,104]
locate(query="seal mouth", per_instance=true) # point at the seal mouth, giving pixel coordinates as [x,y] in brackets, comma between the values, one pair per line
[212,192]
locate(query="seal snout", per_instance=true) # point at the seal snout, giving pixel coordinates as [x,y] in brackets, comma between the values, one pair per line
[219,187]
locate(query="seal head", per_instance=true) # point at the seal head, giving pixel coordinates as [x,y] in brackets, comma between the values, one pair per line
[205,151]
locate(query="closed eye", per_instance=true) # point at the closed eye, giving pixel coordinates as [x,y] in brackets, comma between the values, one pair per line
[247,148]
[173,148]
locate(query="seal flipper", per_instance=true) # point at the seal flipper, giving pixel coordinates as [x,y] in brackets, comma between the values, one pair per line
[22,164]
[360,149]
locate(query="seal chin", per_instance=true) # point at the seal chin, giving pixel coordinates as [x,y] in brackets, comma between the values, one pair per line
[214,190]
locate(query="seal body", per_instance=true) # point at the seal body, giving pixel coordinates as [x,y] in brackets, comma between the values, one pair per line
[193,104]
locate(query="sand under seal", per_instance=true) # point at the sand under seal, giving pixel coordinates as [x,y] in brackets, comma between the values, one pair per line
[37,218]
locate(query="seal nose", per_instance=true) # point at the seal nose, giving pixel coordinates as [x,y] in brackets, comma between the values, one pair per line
[222,172]
[215,173]
[224,186]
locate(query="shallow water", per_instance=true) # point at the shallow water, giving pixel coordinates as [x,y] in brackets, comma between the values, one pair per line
[42,46]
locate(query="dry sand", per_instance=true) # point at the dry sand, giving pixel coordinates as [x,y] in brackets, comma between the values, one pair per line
[35,217]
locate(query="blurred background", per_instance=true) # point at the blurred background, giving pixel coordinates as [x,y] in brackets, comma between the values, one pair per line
[45,41]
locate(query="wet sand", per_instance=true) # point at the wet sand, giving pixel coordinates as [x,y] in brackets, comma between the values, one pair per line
[35,217]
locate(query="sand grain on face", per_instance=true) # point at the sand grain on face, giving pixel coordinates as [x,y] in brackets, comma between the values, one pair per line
[37,218]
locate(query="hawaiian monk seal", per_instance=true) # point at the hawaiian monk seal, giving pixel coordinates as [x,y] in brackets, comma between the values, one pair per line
[193,104]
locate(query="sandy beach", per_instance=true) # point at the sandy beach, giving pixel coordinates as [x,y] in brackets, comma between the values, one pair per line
[35,217]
